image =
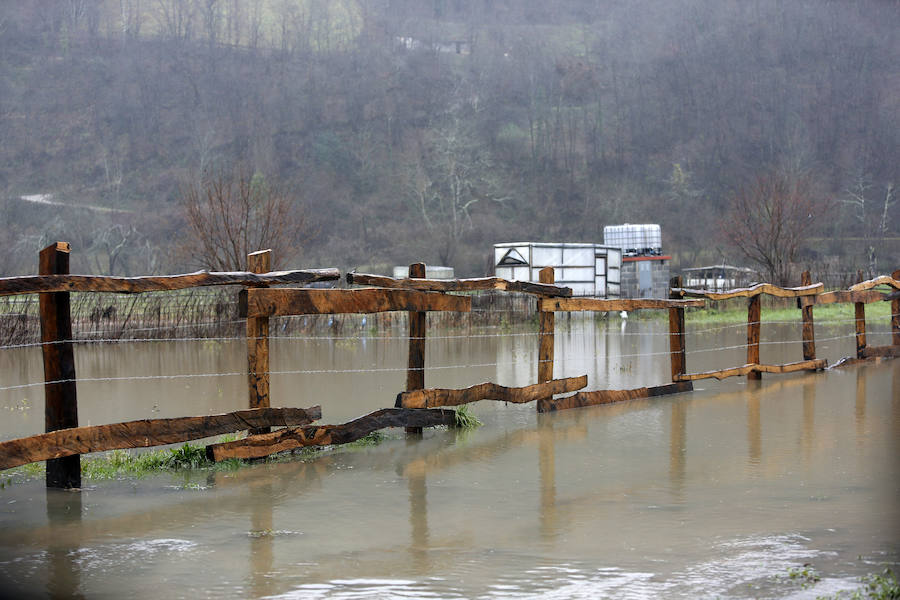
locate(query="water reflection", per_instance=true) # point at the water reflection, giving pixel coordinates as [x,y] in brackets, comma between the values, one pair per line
[549,526]
[561,504]
[807,437]
[860,411]
[418,515]
[754,423]
[677,447]
[64,510]
[262,539]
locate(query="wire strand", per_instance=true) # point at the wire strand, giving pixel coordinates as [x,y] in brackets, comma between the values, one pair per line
[529,360]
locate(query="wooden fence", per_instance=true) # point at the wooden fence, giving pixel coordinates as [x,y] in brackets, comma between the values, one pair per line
[417,406]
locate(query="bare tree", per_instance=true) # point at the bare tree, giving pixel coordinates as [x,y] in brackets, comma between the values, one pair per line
[871,213]
[769,220]
[231,213]
[455,176]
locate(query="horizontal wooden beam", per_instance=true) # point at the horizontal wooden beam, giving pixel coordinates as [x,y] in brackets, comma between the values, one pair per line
[460,285]
[598,305]
[263,302]
[596,398]
[849,361]
[883,351]
[880,280]
[258,446]
[32,284]
[864,296]
[805,365]
[146,433]
[756,290]
[488,391]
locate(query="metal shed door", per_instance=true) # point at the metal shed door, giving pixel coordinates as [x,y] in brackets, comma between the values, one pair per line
[600,276]
[645,279]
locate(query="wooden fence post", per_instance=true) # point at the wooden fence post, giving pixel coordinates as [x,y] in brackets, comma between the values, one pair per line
[60,400]
[676,333]
[860,323]
[546,337]
[754,316]
[258,344]
[809,334]
[895,314]
[415,373]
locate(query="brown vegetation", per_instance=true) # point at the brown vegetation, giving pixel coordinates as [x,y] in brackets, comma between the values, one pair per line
[553,120]
[233,213]
[769,220]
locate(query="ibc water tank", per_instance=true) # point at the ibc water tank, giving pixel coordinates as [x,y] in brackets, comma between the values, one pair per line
[634,240]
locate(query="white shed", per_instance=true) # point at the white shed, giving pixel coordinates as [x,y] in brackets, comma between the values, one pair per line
[589,269]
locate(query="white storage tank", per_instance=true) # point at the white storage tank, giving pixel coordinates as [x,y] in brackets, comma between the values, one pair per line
[634,240]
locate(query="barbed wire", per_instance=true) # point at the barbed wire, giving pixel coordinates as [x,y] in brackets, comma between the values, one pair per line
[569,333]
[529,360]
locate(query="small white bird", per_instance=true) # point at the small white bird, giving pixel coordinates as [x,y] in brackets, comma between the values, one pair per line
[623,314]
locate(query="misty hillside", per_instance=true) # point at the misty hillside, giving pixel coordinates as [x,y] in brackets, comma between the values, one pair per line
[405,130]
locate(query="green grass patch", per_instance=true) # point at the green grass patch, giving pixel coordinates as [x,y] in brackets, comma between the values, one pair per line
[27,472]
[465,419]
[877,586]
[372,439]
[122,463]
[737,313]
[118,464]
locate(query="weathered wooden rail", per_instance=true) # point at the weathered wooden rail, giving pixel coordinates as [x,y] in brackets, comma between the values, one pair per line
[33,284]
[459,285]
[808,295]
[417,406]
[146,433]
[258,446]
[549,306]
[753,369]
[489,391]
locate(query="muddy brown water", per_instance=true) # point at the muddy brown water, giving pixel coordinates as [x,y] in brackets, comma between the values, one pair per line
[715,493]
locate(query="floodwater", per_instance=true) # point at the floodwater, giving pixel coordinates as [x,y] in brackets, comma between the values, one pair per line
[715,493]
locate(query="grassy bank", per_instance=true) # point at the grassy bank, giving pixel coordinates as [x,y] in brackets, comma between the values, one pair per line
[735,312]
[125,464]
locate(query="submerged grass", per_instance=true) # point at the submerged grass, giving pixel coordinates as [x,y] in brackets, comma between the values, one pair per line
[876,586]
[122,463]
[465,419]
[119,464]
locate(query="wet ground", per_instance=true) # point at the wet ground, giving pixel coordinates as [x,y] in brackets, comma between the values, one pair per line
[715,493]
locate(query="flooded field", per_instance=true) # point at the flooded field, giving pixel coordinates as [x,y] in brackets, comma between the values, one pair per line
[715,493]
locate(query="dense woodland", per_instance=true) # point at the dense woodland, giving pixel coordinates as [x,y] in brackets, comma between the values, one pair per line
[401,130]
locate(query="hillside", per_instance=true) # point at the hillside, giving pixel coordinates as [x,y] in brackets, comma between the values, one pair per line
[407,130]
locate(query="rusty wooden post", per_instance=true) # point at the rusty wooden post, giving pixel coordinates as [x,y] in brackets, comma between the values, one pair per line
[676,333]
[258,344]
[860,323]
[60,400]
[809,334]
[895,314]
[754,316]
[547,333]
[415,374]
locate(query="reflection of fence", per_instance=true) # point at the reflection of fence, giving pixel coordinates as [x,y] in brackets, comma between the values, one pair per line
[417,406]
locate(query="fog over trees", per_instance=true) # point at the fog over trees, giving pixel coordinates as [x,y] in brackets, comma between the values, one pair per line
[403,130]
